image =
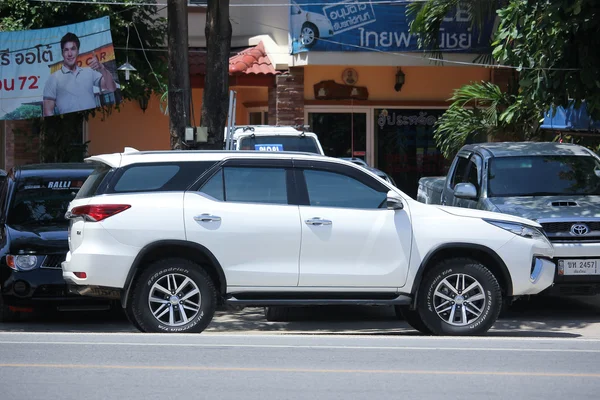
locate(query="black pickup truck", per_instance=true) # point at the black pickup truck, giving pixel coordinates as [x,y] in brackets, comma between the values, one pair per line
[34,240]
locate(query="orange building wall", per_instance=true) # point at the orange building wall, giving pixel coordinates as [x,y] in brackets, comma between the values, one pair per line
[433,83]
[150,130]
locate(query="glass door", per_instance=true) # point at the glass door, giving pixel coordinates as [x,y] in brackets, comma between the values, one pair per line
[405,147]
[341,133]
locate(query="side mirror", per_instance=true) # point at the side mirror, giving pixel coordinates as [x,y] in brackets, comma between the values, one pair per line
[394,202]
[466,191]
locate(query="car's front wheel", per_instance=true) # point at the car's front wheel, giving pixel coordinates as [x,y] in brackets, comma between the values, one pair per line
[412,318]
[459,296]
[173,295]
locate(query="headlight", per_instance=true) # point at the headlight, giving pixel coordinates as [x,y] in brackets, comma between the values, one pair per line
[23,262]
[519,229]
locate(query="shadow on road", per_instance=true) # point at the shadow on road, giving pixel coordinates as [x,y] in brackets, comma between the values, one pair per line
[537,317]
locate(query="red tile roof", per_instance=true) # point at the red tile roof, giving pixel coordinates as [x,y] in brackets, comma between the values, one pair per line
[253,60]
[249,60]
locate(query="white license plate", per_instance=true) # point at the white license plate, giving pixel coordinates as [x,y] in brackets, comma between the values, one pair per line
[579,267]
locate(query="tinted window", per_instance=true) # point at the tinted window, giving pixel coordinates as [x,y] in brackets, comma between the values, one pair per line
[159,177]
[38,201]
[474,173]
[544,175]
[330,189]
[283,143]
[459,171]
[255,185]
[214,187]
[93,181]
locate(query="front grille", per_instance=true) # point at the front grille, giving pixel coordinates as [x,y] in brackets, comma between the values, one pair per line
[565,227]
[54,261]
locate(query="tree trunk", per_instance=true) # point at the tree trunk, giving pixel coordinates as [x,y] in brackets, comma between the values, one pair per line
[179,72]
[215,101]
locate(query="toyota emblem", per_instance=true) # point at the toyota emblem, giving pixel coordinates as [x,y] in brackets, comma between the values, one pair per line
[579,229]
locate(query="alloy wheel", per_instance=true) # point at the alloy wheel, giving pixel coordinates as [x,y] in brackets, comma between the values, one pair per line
[459,299]
[174,300]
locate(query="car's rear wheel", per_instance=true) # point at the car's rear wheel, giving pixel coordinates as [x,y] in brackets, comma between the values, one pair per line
[173,295]
[412,317]
[459,296]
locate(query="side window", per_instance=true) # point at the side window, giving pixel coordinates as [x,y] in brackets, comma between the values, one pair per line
[214,187]
[255,185]
[330,189]
[459,171]
[159,177]
[248,185]
[145,178]
[474,174]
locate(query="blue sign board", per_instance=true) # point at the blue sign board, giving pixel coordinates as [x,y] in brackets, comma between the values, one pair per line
[363,25]
[268,147]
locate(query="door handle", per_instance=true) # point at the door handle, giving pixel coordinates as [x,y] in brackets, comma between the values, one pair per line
[318,221]
[207,218]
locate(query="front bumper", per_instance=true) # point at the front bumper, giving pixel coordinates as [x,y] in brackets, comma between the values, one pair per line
[575,285]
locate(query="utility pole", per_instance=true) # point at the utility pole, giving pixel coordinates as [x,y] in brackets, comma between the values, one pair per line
[179,71]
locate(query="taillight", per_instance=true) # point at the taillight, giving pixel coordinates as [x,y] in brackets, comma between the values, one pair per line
[97,212]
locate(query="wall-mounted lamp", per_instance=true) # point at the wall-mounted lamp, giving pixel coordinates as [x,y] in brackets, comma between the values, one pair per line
[143,100]
[400,78]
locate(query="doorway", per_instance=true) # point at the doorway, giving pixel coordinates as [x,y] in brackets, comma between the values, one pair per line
[343,133]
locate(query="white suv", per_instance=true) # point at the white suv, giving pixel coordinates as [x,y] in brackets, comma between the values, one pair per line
[173,233]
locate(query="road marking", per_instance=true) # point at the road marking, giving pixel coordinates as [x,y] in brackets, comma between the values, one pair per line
[289,346]
[303,370]
[355,335]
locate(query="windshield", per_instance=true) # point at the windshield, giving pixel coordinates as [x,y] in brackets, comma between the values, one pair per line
[543,176]
[41,201]
[280,143]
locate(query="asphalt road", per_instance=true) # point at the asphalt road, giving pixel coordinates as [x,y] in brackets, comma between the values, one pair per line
[209,366]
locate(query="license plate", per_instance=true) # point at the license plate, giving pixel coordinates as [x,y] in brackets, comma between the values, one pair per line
[579,267]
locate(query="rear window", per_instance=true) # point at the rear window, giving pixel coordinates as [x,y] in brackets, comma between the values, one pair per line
[158,177]
[90,186]
[39,200]
[280,143]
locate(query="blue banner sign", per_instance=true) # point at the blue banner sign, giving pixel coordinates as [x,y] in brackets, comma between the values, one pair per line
[363,25]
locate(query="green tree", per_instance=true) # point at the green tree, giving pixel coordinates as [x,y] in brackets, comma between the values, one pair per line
[481,110]
[150,76]
[550,42]
[554,43]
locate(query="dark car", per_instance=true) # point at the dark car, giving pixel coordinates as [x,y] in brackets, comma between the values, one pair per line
[33,237]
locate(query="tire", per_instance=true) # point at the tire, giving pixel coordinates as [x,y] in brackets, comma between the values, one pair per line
[413,318]
[131,319]
[6,315]
[309,35]
[182,278]
[483,301]
[277,314]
